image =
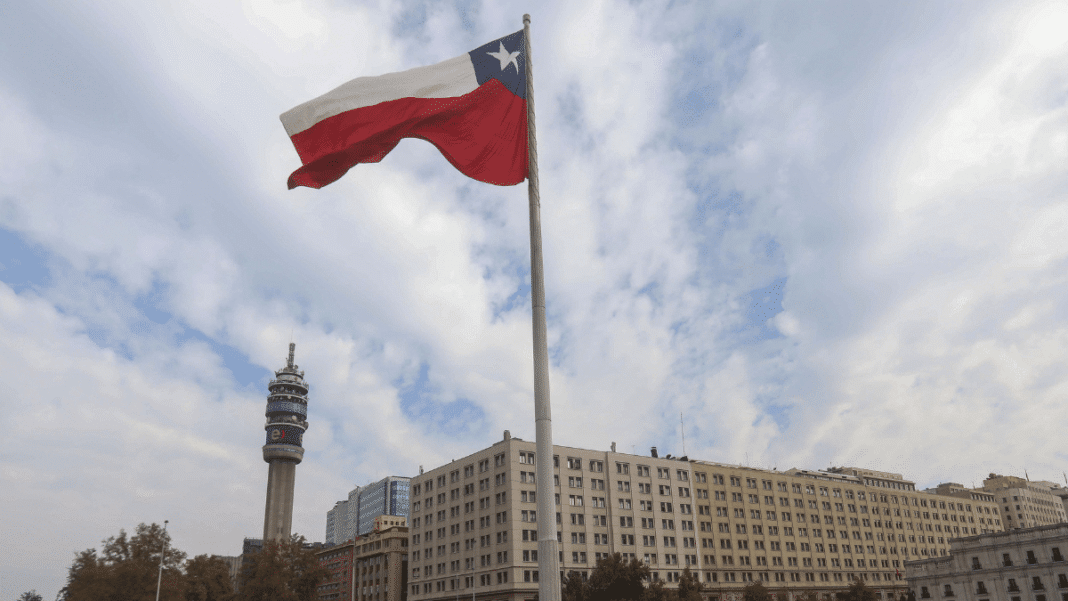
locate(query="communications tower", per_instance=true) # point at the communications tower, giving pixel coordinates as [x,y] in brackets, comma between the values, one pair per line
[287,413]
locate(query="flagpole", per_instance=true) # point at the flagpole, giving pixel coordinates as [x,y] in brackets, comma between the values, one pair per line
[548,561]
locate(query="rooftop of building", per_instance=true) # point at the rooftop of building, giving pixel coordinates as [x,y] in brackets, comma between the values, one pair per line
[392,531]
[1035,533]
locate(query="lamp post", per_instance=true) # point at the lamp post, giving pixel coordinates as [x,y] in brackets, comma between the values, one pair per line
[162,551]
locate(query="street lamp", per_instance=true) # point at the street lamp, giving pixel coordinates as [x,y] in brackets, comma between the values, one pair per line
[162,551]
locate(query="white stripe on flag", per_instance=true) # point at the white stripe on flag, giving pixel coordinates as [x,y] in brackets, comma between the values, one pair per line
[448,79]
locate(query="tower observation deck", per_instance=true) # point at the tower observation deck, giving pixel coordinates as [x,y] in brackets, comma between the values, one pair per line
[287,413]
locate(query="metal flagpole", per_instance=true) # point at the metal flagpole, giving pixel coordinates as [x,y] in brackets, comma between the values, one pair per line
[548,562]
[162,553]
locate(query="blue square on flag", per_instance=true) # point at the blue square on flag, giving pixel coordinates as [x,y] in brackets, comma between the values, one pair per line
[503,60]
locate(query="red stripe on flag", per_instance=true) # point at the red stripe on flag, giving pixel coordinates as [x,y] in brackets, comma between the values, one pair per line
[482,133]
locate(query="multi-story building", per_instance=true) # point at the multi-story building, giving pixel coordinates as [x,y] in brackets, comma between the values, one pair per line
[233,564]
[369,568]
[383,522]
[249,549]
[355,516]
[1016,565]
[1062,493]
[1026,504]
[337,523]
[473,523]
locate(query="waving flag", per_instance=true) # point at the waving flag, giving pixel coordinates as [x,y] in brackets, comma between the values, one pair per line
[472,108]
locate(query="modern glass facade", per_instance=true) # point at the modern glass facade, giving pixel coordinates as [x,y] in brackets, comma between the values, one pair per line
[335,523]
[356,516]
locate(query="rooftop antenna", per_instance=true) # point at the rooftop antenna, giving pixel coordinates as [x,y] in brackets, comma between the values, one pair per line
[683,426]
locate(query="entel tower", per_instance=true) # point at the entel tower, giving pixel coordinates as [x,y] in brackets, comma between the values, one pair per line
[287,412]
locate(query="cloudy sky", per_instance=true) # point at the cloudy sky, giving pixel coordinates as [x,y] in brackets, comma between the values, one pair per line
[822,233]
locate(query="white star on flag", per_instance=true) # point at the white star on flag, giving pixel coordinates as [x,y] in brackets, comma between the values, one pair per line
[506,58]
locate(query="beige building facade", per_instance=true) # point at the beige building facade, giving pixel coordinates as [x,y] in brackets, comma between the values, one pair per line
[473,523]
[1026,504]
[1017,565]
[1062,493]
[370,568]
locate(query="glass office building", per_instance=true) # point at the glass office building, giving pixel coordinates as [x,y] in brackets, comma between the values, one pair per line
[355,516]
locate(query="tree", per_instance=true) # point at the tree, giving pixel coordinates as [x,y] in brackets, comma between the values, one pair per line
[207,579]
[690,586]
[858,591]
[656,591]
[756,592]
[127,569]
[574,589]
[283,571]
[30,596]
[616,580]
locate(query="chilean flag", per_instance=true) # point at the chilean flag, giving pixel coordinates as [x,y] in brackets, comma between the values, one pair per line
[473,108]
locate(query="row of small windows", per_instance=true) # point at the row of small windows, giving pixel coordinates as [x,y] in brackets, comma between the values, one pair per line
[597,466]
[1011,586]
[1006,558]
[670,576]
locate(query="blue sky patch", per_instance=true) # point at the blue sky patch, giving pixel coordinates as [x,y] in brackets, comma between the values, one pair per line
[419,403]
[22,265]
[760,306]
